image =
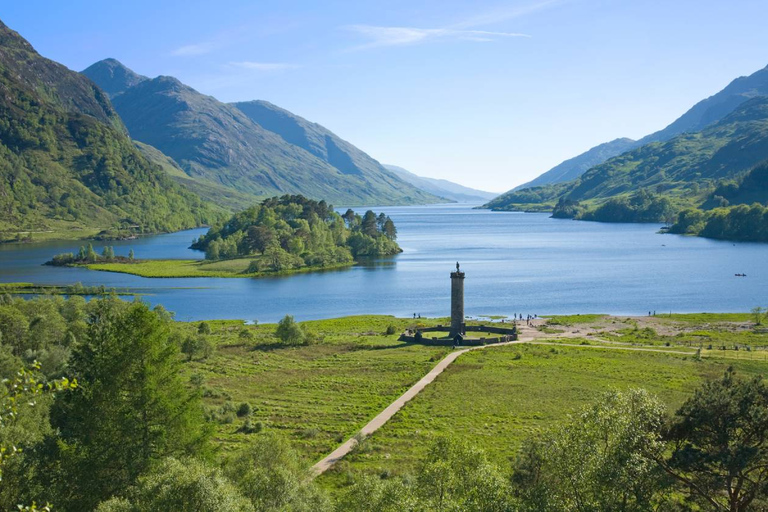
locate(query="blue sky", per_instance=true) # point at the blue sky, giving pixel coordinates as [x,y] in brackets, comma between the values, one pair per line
[485,93]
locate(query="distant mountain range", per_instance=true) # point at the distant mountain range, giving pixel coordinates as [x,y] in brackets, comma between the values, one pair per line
[254,148]
[443,188]
[703,114]
[66,162]
[578,165]
[719,138]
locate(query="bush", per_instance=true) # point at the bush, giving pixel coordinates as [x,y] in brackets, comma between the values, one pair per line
[203,328]
[288,331]
[251,427]
[391,329]
[244,409]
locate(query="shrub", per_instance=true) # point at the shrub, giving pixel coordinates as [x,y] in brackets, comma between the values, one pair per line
[391,329]
[288,331]
[244,409]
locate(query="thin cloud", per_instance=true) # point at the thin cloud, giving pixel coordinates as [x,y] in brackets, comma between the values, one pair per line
[195,49]
[465,30]
[399,36]
[263,66]
[504,14]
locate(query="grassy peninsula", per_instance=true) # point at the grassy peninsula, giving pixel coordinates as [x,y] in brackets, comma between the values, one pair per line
[282,235]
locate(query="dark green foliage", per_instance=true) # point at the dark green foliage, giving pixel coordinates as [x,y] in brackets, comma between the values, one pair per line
[244,409]
[453,476]
[86,254]
[595,461]
[181,485]
[291,232]
[642,206]
[290,332]
[197,346]
[567,209]
[274,478]
[720,444]
[743,223]
[132,409]
[65,159]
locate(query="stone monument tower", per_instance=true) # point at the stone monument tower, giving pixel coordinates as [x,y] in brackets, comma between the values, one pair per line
[457,301]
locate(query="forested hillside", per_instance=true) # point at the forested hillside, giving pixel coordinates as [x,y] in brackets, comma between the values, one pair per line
[66,161]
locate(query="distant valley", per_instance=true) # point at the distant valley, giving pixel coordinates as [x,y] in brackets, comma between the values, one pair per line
[442,188]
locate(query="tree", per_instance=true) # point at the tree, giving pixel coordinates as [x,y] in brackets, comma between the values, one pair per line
[458,476]
[758,314]
[597,460]
[720,444]
[288,331]
[380,220]
[389,229]
[349,217]
[132,408]
[19,397]
[181,484]
[369,226]
[274,478]
[259,238]
[203,328]
[131,255]
[108,253]
[90,254]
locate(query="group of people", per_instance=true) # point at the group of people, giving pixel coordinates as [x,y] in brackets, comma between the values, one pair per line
[528,318]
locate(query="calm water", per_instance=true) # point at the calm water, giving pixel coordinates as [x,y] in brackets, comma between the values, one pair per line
[514,262]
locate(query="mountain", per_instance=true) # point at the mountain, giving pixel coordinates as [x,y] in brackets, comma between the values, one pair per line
[578,165]
[698,117]
[66,161]
[443,188]
[113,77]
[219,143]
[714,108]
[678,168]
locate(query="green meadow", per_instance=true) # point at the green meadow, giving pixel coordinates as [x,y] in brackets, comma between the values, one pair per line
[499,396]
[316,395]
[198,268]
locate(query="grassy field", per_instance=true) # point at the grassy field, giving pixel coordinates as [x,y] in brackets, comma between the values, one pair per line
[197,268]
[316,395]
[499,396]
[75,289]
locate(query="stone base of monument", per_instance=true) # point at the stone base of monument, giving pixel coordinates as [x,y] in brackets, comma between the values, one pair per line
[423,336]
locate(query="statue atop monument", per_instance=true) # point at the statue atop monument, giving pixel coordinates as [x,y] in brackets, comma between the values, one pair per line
[457,267]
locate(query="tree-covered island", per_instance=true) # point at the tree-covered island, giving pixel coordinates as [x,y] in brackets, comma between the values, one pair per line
[281,235]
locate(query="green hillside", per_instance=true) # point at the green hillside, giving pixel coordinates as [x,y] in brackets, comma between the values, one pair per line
[685,168]
[66,163]
[218,143]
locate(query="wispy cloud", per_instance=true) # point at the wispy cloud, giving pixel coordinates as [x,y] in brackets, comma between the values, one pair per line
[466,30]
[399,36]
[195,49]
[264,66]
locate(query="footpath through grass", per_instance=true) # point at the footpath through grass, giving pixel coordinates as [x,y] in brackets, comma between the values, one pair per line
[316,395]
[499,396]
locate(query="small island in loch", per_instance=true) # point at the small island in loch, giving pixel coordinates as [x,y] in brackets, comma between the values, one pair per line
[282,235]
